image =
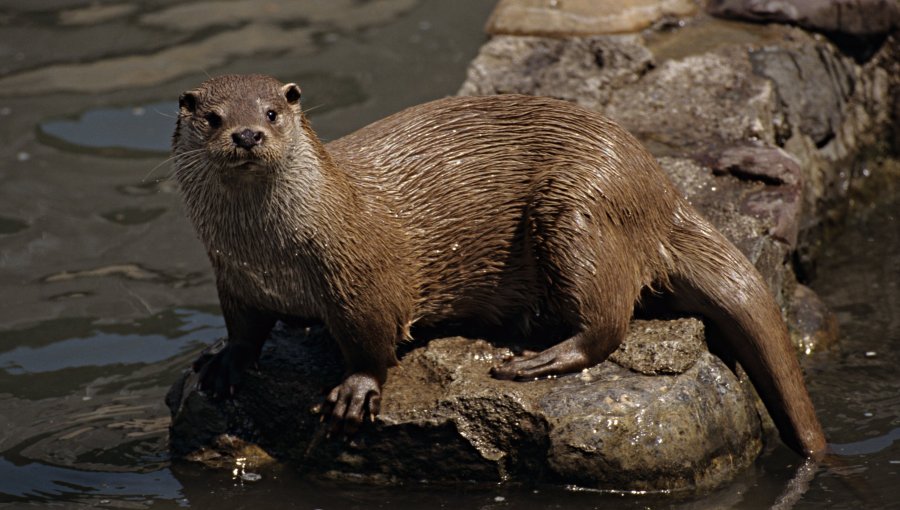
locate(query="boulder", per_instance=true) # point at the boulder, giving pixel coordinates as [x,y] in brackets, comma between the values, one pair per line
[853,17]
[584,70]
[661,414]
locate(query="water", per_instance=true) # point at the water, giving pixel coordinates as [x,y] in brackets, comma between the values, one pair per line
[107,295]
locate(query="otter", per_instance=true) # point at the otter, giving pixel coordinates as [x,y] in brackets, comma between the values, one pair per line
[510,209]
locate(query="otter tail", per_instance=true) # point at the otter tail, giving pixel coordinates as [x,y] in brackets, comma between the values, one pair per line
[711,277]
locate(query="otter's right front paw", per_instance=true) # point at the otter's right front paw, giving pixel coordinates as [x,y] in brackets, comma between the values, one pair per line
[347,403]
[221,370]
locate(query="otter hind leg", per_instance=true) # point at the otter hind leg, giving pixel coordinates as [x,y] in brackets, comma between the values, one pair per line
[576,353]
[590,287]
[598,307]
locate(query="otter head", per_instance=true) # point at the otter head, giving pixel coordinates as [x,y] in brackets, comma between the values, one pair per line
[241,125]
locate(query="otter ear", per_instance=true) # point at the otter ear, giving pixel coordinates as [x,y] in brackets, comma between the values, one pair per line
[188,101]
[291,92]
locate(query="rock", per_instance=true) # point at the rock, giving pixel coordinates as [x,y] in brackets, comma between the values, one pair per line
[873,117]
[582,17]
[661,350]
[771,165]
[702,34]
[835,110]
[854,17]
[813,81]
[811,324]
[690,102]
[228,451]
[702,100]
[582,70]
[778,204]
[779,207]
[445,419]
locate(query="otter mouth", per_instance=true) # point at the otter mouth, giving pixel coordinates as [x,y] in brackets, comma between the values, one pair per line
[248,166]
[245,163]
[242,161]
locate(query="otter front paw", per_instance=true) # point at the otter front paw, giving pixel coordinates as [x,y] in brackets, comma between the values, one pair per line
[221,369]
[348,402]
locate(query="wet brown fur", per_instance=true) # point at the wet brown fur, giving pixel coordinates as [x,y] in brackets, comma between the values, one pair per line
[505,209]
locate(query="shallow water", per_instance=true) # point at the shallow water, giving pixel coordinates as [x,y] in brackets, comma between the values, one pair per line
[107,295]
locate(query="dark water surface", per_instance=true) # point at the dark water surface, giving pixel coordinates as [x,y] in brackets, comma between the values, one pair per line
[106,295]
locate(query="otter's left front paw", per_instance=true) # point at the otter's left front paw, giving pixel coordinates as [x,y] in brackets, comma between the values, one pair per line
[349,400]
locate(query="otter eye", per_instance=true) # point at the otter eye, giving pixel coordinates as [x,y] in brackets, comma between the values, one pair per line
[271,115]
[214,120]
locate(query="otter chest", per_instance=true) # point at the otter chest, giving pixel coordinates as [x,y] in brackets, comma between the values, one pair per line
[272,280]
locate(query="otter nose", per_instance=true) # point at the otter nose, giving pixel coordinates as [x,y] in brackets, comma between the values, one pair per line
[247,139]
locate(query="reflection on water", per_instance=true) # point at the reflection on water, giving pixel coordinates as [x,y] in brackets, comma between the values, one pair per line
[84,404]
[107,295]
[133,215]
[135,128]
[868,446]
[105,345]
[34,481]
[11,225]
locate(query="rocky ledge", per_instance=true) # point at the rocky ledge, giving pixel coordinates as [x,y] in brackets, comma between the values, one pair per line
[758,125]
[663,414]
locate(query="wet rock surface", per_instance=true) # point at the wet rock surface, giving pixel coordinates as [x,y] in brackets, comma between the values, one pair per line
[444,418]
[813,327]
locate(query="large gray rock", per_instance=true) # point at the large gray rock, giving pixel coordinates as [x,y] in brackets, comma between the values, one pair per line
[712,97]
[444,418]
[699,101]
[786,88]
[813,80]
[855,17]
[582,70]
